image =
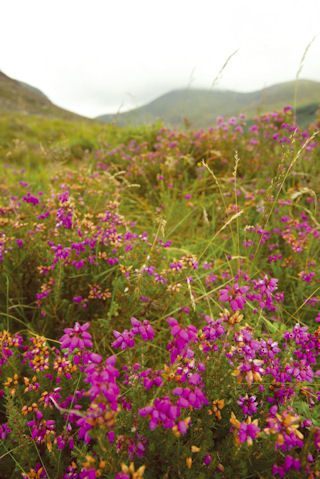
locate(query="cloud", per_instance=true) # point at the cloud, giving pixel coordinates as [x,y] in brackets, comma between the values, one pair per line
[93,57]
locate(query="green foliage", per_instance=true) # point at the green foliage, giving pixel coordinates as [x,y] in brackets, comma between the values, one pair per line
[209,237]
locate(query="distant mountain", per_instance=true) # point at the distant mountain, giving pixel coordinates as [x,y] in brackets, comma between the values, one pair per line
[17,96]
[202,107]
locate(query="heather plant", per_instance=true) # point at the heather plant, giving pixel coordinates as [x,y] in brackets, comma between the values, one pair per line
[159,305]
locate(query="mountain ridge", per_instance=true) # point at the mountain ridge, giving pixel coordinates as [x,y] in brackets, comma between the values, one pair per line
[202,106]
[20,97]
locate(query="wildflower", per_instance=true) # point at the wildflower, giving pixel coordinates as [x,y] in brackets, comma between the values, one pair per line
[130,472]
[31,199]
[248,404]
[4,431]
[182,337]
[193,398]
[123,340]
[42,430]
[300,370]
[37,472]
[71,471]
[305,276]
[181,427]
[144,329]
[102,378]
[269,348]
[317,438]
[217,406]
[214,330]
[234,294]
[251,370]
[248,431]
[285,426]
[162,411]
[76,337]
[244,431]
[289,463]
[38,354]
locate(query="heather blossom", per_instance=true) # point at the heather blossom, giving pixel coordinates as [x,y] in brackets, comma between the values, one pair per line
[248,404]
[289,463]
[244,431]
[4,431]
[144,329]
[234,294]
[266,285]
[248,431]
[123,340]
[163,411]
[76,337]
[182,338]
[269,348]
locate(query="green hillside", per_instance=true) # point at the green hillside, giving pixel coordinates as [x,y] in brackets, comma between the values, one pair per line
[203,106]
[19,97]
[200,106]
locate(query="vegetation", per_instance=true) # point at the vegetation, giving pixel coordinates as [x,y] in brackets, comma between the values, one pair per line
[16,96]
[202,106]
[159,300]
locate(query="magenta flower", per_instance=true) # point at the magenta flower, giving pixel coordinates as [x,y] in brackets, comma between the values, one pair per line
[39,470]
[163,412]
[266,285]
[123,340]
[41,429]
[269,348]
[4,431]
[248,404]
[182,337]
[122,475]
[248,432]
[300,370]
[31,199]
[289,463]
[234,294]
[144,329]
[76,337]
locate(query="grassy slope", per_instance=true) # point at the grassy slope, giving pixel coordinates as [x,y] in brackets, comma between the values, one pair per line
[33,140]
[16,96]
[203,106]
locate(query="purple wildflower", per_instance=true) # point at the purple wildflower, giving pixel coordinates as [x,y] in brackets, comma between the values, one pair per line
[234,294]
[248,404]
[144,329]
[123,340]
[76,337]
[248,432]
[4,431]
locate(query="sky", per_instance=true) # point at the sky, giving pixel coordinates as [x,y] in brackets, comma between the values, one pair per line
[104,56]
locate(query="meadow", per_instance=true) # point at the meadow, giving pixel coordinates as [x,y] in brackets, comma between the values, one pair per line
[159,299]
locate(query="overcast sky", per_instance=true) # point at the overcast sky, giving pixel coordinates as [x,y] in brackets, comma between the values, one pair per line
[99,56]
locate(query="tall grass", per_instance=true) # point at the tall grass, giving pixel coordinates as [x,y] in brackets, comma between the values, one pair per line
[159,300]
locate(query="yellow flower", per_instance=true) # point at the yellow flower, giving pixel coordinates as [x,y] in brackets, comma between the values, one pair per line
[134,474]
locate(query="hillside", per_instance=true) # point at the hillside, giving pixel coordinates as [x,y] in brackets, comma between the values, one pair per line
[17,96]
[203,106]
